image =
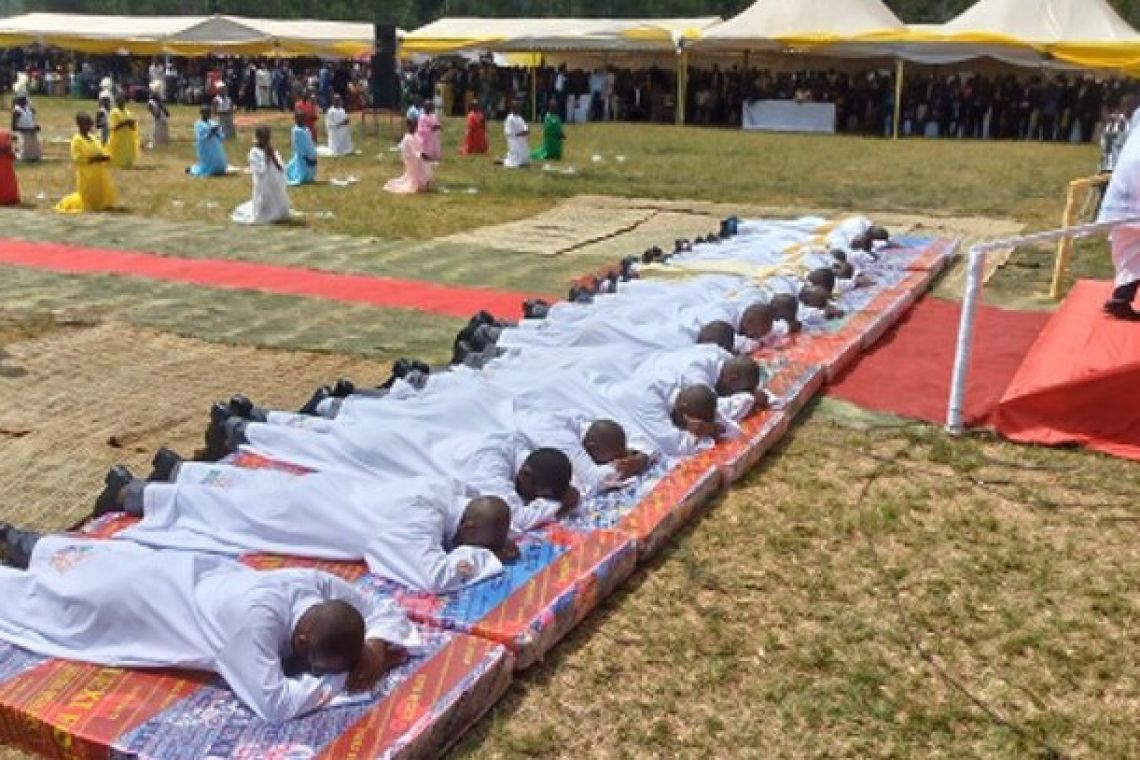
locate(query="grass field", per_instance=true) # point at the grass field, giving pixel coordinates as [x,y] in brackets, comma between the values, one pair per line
[874,589]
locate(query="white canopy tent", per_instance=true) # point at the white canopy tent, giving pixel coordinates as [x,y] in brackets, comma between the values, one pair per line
[188,35]
[773,24]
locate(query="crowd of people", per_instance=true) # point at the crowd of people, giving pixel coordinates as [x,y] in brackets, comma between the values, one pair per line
[429,479]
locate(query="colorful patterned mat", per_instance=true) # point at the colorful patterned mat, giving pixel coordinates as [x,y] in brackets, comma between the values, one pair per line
[68,710]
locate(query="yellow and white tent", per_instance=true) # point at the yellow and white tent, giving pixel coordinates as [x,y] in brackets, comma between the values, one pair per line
[775,24]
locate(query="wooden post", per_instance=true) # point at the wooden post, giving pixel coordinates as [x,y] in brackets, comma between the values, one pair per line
[1065,245]
[895,125]
[533,89]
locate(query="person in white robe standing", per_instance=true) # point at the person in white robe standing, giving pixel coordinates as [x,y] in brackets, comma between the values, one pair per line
[518,140]
[427,533]
[117,603]
[160,116]
[29,148]
[338,126]
[270,202]
[1121,201]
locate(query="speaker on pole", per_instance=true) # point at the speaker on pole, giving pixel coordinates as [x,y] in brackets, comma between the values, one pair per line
[385,85]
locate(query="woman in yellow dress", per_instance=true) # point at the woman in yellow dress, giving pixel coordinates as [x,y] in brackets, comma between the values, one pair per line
[124,140]
[94,191]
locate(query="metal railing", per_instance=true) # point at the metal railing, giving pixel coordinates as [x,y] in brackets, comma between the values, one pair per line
[976,267]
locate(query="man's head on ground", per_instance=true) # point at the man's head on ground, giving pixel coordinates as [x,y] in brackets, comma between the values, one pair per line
[843,270]
[823,277]
[815,297]
[785,306]
[740,374]
[486,523]
[695,403]
[839,254]
[718,333]
[544,475]
[605,441]
[757,321]
[329,637]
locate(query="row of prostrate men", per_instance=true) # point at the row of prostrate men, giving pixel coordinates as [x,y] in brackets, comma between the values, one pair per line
[428,479]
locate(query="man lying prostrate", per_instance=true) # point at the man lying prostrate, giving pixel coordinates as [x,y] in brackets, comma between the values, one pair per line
[814,307]
[287,642]
[634,297]
[460,403]
[535,483]
[603,331]
[427,533]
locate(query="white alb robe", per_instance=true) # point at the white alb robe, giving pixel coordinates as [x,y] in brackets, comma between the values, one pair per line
[270,202]
[487,463]
[121,604]
[518,142]
[338,126]
[401,530]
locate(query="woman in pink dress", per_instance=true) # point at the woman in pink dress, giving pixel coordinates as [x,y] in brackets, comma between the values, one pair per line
[428,131]
[417,171]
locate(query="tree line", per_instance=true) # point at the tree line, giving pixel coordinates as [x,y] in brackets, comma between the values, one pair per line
[410,14]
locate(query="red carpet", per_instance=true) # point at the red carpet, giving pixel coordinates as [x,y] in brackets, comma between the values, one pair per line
[240,275]
[1079,382]
[908,371]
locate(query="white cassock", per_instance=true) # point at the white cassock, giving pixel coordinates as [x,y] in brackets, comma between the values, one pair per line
[486,463]
[401,529]
[518,142]
[338,126]
[270,202]
[120,604]
[1122,200]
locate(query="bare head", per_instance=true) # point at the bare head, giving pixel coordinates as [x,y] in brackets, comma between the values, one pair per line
[843,270]
[815,296]
[697,402]
[839,254]
[205,113]
[337,101]
[605,441]
[718,333]
[757,321]
[823,277]
[83,122]
[740,374]
[262,136]
[299,118]
[120,100]
[412,125]
[329,637]
[544,475]
[486,523]
[785,307]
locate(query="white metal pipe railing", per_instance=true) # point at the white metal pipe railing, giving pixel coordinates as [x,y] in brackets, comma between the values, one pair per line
[975,276]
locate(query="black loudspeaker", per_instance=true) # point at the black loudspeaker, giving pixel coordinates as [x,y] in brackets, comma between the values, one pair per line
[385,86]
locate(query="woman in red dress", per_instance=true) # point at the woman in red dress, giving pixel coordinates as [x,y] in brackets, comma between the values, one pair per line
[475,138]
[9,188]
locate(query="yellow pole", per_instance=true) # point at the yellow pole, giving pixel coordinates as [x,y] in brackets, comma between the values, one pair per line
[1078,187]
[896,127]
[533,89]
[682,84]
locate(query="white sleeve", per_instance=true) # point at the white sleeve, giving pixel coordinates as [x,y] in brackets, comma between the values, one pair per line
[251,665]
[526,517]
[736,407]
[424,565]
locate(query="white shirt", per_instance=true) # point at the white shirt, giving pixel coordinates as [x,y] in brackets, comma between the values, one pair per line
[339,129]
[121,604]
[518,142]
[270,202]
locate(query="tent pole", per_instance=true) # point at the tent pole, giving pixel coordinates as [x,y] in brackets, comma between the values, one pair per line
[682,84]
[895,126]
[533,89]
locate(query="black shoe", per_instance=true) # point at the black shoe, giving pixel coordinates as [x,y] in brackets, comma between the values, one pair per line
[118,477]
[216,447]
[423,367]
[1122,310]
[163,465]
[319,395]
[579,294]
[242,407]
[343,388]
